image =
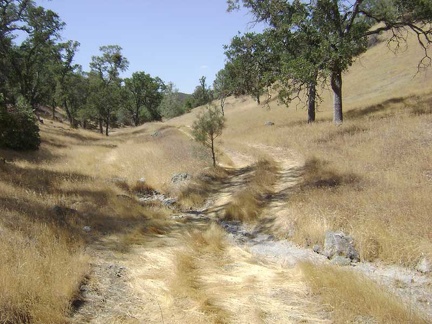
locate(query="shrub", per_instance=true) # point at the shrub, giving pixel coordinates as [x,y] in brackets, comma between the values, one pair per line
[18,128]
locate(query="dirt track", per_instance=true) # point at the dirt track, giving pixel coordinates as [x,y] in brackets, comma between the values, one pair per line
[253,278]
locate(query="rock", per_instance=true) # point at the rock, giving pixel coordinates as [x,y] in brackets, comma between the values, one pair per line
[269,123]
[424,266]
[87,229]
[339,244]
[142,180]
[169,201]
[317,248]
[155,134]
[180,177]
[340,261]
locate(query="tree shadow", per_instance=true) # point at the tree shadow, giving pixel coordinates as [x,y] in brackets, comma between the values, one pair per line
[358,113]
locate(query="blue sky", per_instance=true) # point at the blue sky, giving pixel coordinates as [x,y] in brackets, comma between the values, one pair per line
[176,40]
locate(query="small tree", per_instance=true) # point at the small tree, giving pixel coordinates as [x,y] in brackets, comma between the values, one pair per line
[221,87]
[207,127]
[105,82]
[202,94]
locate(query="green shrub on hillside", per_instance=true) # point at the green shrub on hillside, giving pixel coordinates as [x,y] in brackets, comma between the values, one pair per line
[18,128]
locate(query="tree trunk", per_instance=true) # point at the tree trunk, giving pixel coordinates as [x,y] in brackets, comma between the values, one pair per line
[69,115]
[136,117]
[107,126]
[336,84]
[222,104]
[101,125]
[311,102]
[213,151]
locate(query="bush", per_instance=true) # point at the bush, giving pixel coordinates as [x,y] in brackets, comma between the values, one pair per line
[18,129]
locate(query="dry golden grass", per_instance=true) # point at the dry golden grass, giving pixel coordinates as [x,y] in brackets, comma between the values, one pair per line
[48,196]
[41,272]
[370,180]
[246,205]
[353,298]
[216,282]
[155,154]
[202,249]
[369,177]
[195,193]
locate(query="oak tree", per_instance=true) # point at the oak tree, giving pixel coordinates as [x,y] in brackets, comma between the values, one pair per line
[344,27]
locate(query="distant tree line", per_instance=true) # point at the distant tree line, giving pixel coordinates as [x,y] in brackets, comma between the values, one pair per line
[306,44]
[37,71]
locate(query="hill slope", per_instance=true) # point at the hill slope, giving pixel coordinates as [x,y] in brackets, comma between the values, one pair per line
[86,205]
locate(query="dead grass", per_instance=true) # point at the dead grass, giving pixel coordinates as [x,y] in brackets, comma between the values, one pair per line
[203,249]
[47,198]
[247,203]
[352,298]
[370,177]
[195,193]
[41,273]
[155,154]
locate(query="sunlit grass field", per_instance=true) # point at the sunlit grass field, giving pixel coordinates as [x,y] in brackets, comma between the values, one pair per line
[370,177]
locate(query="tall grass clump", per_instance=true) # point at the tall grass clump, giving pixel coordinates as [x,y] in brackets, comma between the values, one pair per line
[247,203]
[203,251]
[353,298]
[198,190]
[40,275]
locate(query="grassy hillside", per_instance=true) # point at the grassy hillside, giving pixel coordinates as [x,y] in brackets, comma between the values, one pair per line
[370,177]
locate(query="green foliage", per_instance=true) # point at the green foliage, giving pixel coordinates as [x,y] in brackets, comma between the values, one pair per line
[142,97]
[18,128]
[250,65]
[171,104]
[29,54]
[105,84]
[31,64]
[202,94]
[71,89]
[207,127]
[223,86]
[335,32]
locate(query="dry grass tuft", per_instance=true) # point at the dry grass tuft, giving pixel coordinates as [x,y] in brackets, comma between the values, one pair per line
[210,241]
[142,188]
[203,250]
[318,174]
[355,299]
[247,204]
[40,275]
[195,193]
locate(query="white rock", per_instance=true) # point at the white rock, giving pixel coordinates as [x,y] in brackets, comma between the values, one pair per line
[424,266]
